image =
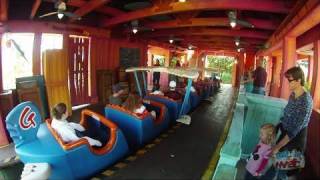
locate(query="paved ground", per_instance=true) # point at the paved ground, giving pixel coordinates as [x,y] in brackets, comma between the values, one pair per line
[186,152]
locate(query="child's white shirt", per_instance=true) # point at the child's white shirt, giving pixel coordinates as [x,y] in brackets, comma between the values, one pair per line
[66,131]
[192,89]
[140,110]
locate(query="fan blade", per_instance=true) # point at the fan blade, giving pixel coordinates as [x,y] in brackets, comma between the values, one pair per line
[48,14]
[134,23]
[245,23]
[71,15]
[144,29]
[178,39]
[232,15]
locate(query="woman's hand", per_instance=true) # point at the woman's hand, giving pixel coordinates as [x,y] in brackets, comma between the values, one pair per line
[275,149]
[257,174]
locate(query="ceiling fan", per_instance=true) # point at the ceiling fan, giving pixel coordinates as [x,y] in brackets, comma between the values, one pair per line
[61,11]
[135,27]
[191,47]
[172,39]
[234,21]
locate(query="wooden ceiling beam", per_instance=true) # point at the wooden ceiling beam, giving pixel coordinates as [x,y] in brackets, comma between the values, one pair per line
[35,8]
[88,7]
[209,31]
[103,9]
[3,10]
[176,7]
[243,41]
[224,22]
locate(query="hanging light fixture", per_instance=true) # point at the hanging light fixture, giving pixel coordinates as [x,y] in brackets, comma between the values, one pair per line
[238,49]
[182,1]
[170,41]
[60,15]
[233,23]
[237,41]
[134,30]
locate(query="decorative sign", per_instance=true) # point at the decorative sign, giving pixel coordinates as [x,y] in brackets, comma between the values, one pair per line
[289,160]
[129,57]
[27,119]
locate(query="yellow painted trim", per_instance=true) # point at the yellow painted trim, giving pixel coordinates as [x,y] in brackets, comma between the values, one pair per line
[216,155]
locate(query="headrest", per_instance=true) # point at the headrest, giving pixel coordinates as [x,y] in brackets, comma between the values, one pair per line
[172,84]
[116,88]
[23,122]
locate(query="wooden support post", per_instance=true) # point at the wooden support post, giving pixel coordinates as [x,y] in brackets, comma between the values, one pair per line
[239,69]
[36,63]
[3,10]
[310,69]
[249,62]
[315,78]
[289,60]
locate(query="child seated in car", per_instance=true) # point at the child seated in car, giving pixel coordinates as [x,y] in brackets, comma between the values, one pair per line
[134,104]
[173,93]
[68,131]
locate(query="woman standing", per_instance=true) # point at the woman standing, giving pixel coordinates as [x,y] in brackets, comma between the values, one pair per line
[294,123]
[156,77]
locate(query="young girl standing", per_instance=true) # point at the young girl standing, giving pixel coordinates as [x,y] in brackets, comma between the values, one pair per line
[260,156]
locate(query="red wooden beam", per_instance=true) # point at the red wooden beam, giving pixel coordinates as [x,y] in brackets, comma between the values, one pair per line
[209,31]
[263,24]
[103,9]
[35,8]
[109,11]
[88,7]
[214,39]
[220,45]
[258,23]
[262,5]
[51,27]
[3,10]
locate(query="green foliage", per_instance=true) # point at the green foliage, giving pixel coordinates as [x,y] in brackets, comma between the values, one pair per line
[224,65]
[173,61]
[307,86]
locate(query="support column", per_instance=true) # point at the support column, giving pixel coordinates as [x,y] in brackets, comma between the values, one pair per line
[249,65]
[289,60]
[239,69]
[36,63]
[269,67]
[315,78]
[310,69]
[234,74]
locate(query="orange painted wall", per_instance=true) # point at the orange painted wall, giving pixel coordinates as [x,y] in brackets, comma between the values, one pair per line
[158,51]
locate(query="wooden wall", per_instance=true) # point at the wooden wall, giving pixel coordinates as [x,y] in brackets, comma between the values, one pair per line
[104,54]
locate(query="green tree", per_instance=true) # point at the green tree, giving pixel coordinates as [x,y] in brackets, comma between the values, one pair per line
[224,65]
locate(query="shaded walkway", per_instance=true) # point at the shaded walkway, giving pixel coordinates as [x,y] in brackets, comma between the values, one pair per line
[185,154]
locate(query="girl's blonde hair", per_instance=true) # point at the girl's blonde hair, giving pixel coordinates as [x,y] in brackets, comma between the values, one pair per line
[133,102]
[270,129]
